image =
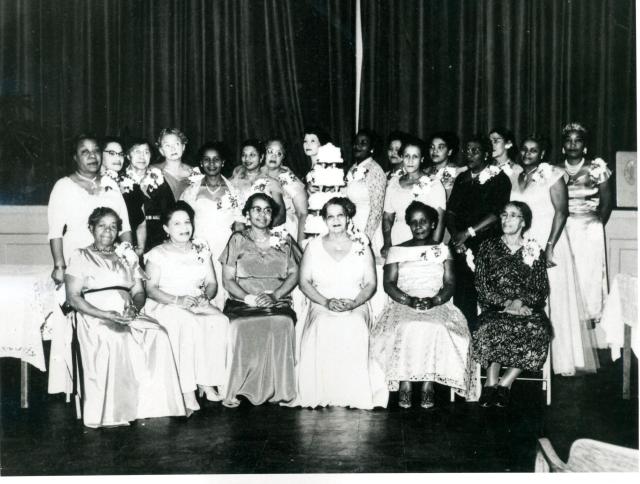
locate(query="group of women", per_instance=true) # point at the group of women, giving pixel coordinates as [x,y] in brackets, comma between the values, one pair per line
[186,282]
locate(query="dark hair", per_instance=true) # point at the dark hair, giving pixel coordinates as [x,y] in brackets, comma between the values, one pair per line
[508,136]
[111,139]
[374,139]
[276,139]
[412,141]
[179,206]
[275,209]
[321,133]
[217,146]
[254,142]
[540,139]
[483,141]
[450,139]
[347,205]
[101,212]
[80,138]
[138,142]
[417,206]
[576,126]
[167,131]
[397,135]
[527,216]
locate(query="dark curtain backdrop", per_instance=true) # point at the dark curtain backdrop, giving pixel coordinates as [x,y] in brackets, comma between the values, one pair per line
[468,66]
[219,70]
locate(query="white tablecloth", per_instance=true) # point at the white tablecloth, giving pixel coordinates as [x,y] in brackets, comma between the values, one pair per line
[620,308]
[27,300]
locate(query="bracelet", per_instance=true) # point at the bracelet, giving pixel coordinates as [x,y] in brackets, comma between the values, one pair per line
[549,243]
[59,267]
[471,232]
[434,300]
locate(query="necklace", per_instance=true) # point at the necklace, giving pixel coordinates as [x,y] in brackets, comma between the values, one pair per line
[213,192]
[90,180]
[515,245]
[106,250]
[573,170]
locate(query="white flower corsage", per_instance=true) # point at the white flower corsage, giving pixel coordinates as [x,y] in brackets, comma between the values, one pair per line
[543,172]
[127,181]
[357,173]
[109,173]
[195,175]
[286,178]
[278,237]
[360,240]
[126,253]
[530,252]
[598,170]
[446,175]
[260,186]
[201,250]
[423,185]
[227,201]
[488,173]
[470,260]
[152,179]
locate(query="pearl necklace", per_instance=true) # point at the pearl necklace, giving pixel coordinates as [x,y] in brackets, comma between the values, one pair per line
[213,192]
[106,250]
[573,170]
[90,180]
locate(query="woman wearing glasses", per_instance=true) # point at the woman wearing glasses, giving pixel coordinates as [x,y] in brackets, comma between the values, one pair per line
[512,285]
[259,271]
[543,188]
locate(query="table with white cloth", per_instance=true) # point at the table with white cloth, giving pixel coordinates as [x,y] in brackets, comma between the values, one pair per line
[28,302]
[619,322]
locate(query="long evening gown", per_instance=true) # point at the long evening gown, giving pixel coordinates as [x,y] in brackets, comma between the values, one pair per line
[261,344]
[199,341]
[333,365]
[431,345]
[573,343]
[129,370]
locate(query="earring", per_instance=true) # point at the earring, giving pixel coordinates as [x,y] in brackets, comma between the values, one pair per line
[563,151]
[584,151]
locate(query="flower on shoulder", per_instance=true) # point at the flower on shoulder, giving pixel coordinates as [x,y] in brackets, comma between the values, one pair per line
[598,170]
[195,175]
[543,172]
[447,175]
[201,250]
[470,260]
[423,185]
[488,173]
[109,173]
[152,179]
[227,201]
[260,186]
[126,253]
[278,237]
[286,178]
[126,182]
[357,173]
[360,240]
[530,252]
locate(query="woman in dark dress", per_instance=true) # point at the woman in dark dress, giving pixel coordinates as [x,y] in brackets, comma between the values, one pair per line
[512,284]
[476,199]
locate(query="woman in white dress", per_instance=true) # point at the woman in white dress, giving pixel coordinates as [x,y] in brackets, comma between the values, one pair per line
[412,185]
[420,335]
[180,286]
[337,274]
[293,191]
[72,200]
[443,146]
[590,205]
[128,367]
[542,187]
[366,183]
[216,206]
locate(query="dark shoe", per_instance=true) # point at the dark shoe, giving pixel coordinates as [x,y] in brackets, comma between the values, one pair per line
[487,397]
[428,399]
[404,400]
[502,396]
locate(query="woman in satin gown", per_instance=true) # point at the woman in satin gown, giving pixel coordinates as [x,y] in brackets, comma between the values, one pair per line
[128,366]
[259,271]
[421,336]
[542,187]
[181,284]
[337,274]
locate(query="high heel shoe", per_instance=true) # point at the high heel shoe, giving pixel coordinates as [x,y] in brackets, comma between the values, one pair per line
[488,396]
[208,392]
[428,399]
[231,402]
[502,396]
[404,399]
[190,403]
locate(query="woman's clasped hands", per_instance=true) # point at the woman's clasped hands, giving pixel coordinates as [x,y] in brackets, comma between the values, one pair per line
[339,305]
[517,307]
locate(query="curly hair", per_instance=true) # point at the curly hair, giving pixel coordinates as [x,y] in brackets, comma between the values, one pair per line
[167,131]
[179,206]
[275,209]
[347,205]
[525,211]
[417,206]
[101,212]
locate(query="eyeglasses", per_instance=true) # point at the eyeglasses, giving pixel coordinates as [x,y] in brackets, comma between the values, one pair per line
[510,215]
[114,153]
[265,210]
[473,151]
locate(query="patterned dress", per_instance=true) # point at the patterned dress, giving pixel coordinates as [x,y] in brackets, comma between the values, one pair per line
[509,339]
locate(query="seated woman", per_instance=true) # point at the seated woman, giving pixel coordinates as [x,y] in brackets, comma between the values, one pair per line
[129,371]
[181,284]
[511,279]
[259,271]
[337,274]
[421,335]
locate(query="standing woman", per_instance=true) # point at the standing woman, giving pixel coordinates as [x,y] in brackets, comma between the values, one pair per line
[337,274]
[112,157]
[259,271]
[72,200]
[167,188]
[505,152]
[216,206]
[477,198]
[181,285]
[248,178]
[366,183]
[295,196]
[590,205]
[395,140]
[412,185]
[542,187]
[443,147]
